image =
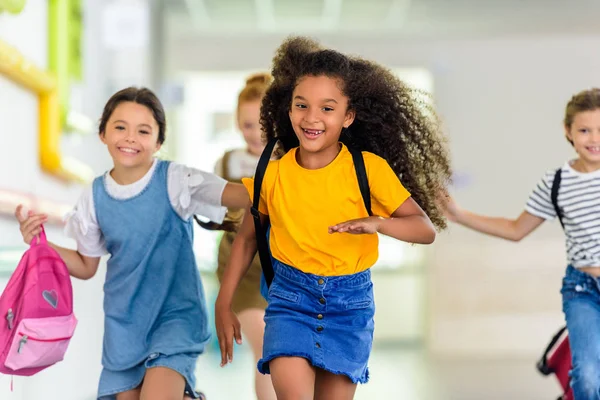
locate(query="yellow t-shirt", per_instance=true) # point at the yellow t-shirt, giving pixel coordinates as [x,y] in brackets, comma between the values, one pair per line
[302,204]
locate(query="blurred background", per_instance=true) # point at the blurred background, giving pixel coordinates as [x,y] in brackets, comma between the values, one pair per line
[466,318]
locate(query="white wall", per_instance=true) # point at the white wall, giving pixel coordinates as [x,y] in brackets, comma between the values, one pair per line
[502,102]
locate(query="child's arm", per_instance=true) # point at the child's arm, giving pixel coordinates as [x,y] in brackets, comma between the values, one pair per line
[408,223]
[193,191]
[242,252]
[235,195]
[79,266]
[509,229]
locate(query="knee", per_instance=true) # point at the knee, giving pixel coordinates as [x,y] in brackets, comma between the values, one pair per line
[585,381]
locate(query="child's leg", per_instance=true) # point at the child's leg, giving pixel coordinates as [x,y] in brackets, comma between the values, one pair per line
[581,305]
[161,383]
[293,378]
[332,386]
[129,395]
[253,328]
[583,322]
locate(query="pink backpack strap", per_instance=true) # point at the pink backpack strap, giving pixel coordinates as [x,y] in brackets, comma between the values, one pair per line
[41,238]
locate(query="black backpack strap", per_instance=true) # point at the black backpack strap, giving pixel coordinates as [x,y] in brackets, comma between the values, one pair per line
[361,175]
[542,364]
[554,195]
[261,232]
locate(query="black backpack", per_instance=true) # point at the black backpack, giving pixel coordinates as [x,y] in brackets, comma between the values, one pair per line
[261,231]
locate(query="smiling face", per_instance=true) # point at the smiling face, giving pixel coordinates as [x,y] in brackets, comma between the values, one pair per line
[318,112]
[584,133]
[131,135]
[249,124]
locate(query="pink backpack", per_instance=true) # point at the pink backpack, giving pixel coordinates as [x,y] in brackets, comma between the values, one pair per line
[36,312]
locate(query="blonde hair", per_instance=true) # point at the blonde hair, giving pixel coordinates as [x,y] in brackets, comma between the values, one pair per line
[255,89]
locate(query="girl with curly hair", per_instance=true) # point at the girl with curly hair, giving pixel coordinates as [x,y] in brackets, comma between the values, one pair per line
[319,318]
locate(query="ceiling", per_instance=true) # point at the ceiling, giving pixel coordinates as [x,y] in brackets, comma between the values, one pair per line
[404,18]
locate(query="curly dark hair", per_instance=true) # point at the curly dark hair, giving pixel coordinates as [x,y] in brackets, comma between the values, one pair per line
[392,120]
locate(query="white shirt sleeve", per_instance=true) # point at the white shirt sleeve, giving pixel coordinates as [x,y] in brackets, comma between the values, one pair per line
[81,225]
[192,191]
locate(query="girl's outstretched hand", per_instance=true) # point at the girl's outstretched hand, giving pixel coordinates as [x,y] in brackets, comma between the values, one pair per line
[358,226]
[228,328]
[449,207]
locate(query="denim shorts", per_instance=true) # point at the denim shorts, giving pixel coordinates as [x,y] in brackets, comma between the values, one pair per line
[327,320]
[113,382]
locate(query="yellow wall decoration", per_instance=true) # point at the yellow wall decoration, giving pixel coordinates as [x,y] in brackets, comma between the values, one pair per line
[45,84]
[12,6]
[64,59]
[64,55]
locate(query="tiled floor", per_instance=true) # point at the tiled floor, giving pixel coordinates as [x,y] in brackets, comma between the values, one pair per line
[404,373]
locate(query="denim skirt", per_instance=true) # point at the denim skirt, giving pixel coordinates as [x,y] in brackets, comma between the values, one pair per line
[327,320]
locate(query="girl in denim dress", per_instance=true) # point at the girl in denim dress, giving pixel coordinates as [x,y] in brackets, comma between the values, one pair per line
[319,318]
[579,203]
[140,213]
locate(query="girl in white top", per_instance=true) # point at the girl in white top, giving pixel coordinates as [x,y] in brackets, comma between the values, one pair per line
[156,323]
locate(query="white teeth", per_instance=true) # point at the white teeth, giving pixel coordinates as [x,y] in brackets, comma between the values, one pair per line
[594,148]
[126,150]
[312,132]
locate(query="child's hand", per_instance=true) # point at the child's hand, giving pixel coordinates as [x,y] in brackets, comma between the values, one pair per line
[30,225]
[449,207]
[228,328]
[358,226]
